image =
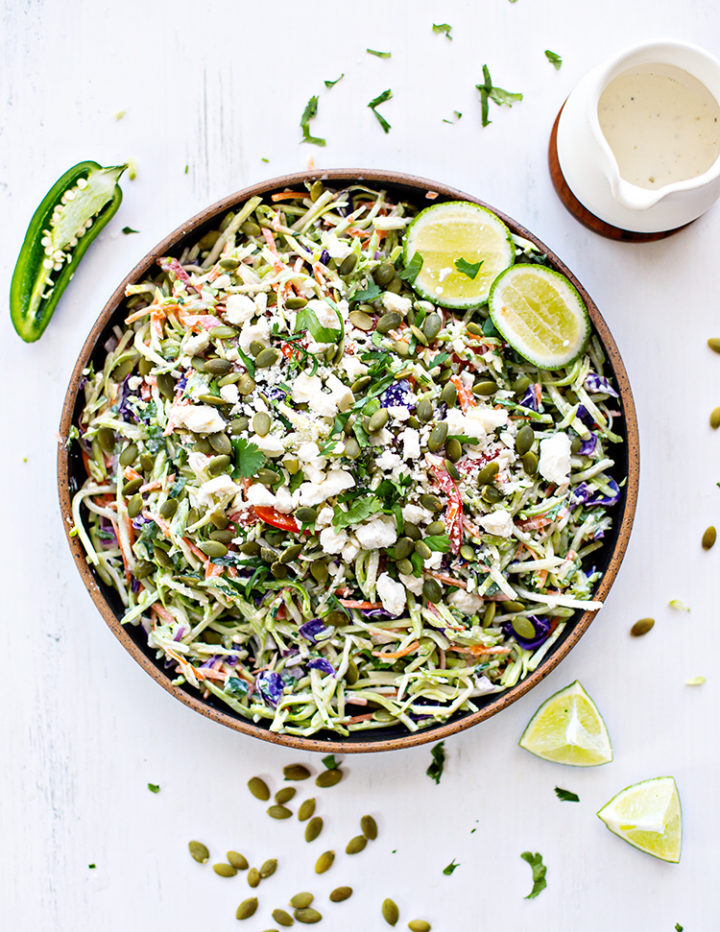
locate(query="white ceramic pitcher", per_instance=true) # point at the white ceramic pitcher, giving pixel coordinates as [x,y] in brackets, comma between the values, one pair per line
[589,165]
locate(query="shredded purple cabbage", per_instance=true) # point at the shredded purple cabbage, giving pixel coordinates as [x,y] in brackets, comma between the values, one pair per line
[319,663]
[530,399]
[270,686]
[582,414]
[588,446]
[124,410]
[398,394]
[542,632]
[584,495]
[275,393]
[313,630]
[324,257]
[598,383]
[379,614]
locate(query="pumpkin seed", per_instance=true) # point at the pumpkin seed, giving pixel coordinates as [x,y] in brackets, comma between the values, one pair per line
[306,514]
[252,549]
[224,870]
[282,918]
[530,460]
[489,614]
[163,558]
[279,570]
[361,320]
[279,812]
[714,344]
[474,328]
[715,418]
[390,912]
[262,423]
[575,445]
[511,606]
[198,852]
[324,862]
[147,462]
[491,495]
[347,266]
[256,347]
[449,395]
[341,893]
[388,322]
[215,400]
[301,900]
[308,915]
[124,368]
[419,925]
[413,531]
[450,468]
[405,567]
[238,861]
[213,548]
[422,549]
[313,828]
[268,357]
[369,827]
[403,548]
[268,868]
[432,326]
[352,448]
[258,787]
[198,363]
[401,348]
[193,516]
[485,388]
[229,264]
[238,425]
[316,189]
[223,332]
[353,674]
[523,627]
[218,464]
[524,439]
[145,365]
[218,366]
[521,385]
[384,274]
[319,571]
[106,439]
[285,795]
[128,455]
[132,486]
[435,527]
[329,777]
[143,569]
[437,437]
[268,476]
[709,538]
[453,450]
[378,420]
[488,472]
[642,626]
[307,808]
[247,908]
[432,590]
[245,385]
[135,506]
[424,410]
[250,228]
[419,335]
[431,502]
[396,285]
[253,877]
[220,443]
[467,552]
[356,845]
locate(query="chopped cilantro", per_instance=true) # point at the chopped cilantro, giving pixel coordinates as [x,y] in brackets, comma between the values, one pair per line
[309,113]
[566,795]
[358,511]
[249,363]
[187,169]
[128,230]
[554,59]
[412,269]
[248,458]
[457,115]
[488,91]
[442,29]
[450,868]
[468,268]
[379,54]
[296,481]
[307,320]
[678,927]
[264,159]
[375,103]
[330,762]
[154,787]
[678,605]
[330,84]
[435,770]
[439,542]
[369,293]
[91,866]
[538,872]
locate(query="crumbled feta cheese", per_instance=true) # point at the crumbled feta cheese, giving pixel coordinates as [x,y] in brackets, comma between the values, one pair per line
[323,404]
[269,445]
[230,393]
[413,584]
[332,541]
[353,367]
[381,438]
[134,382]
[377,532]
[305,387]
[387,461]
[337,248]
[499,523]
[554,462]
[193,345]
[459,423]
[200,419]
[433,561]
[222,488]
[239,308]
[398,412]
[488,418]
[394,302]
[258,494]
[468,603]
[341,394]
[392,594]
[416,514]
[336,481]
[325,314]
[350,550]
[411,443]
[285,500]
[325,516]
[198,462]
[259,331]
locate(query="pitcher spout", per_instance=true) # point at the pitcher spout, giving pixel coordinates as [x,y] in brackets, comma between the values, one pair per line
[633,197]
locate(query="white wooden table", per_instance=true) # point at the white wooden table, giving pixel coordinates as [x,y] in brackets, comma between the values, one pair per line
[220,86]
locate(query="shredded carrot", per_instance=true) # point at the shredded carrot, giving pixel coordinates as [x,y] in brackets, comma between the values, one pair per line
[352,603]
[465,395]
[131,473]
[199,321]
[360,718]
[476,650]
[138,315]
[396,654]
[163,613]
[450,580]
[287,195]
[270,240]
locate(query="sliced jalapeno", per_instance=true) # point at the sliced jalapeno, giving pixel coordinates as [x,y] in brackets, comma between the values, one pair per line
[69,218]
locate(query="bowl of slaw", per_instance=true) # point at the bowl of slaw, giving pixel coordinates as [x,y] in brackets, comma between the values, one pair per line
[313,650]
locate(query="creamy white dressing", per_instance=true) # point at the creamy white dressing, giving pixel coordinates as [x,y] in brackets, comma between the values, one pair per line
[662,124]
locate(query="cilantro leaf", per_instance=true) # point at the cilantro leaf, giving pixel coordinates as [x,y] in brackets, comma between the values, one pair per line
[379,54]
[370,293]
[154,787]
[358,511]
[468,268]
[435,770]
[92,867]
[330,762]
[439,542]
[442,29]
[457,115]
[538,872]
[678,927]
[498,95]
[309,113]
[330,84]
[375,102]
[554,59]
[566,795]
[412,269]
[248,458]
[128,230]
[450,868]
[307,320]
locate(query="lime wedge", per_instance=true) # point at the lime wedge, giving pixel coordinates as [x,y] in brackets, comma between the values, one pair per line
[452,232]
[648,816]
[568,729]
[540,314]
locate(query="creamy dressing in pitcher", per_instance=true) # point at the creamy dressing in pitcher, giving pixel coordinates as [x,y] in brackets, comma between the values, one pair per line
[662,124]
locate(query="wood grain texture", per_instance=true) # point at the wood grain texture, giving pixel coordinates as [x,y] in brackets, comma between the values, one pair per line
[218,87]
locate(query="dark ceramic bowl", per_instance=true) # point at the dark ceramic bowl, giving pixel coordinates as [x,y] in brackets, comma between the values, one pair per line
[71,475]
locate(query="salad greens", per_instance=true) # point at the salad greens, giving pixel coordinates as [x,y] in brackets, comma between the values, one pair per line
[435,770]
[538,873]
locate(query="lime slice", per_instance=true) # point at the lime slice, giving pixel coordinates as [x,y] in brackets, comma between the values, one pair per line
[568,729]
[448,233]
[648,816]
[540,314]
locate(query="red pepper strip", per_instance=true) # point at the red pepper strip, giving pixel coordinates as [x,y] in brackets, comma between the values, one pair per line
[288,351]
[276,518]
[168,264]
[454,513]
[465,395]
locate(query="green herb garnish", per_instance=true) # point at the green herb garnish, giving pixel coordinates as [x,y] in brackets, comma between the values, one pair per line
[678,927]
[450,868]
[369,293]
[435,770]
[442,29]
[248,458]
[128,230]
[538,872]
[330,84]
[91,866]
[566,795]
[468,268]
[154,787]
[488,91]
[330,762]
[379,54]
[554,59]
[457,115]
[375,103]
[412,269]
[307,320]
[309,113]
[358,511]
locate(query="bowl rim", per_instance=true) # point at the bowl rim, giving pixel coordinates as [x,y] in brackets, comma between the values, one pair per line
[426,190]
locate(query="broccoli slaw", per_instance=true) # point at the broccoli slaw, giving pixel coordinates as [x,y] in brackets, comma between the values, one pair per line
[331,505]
